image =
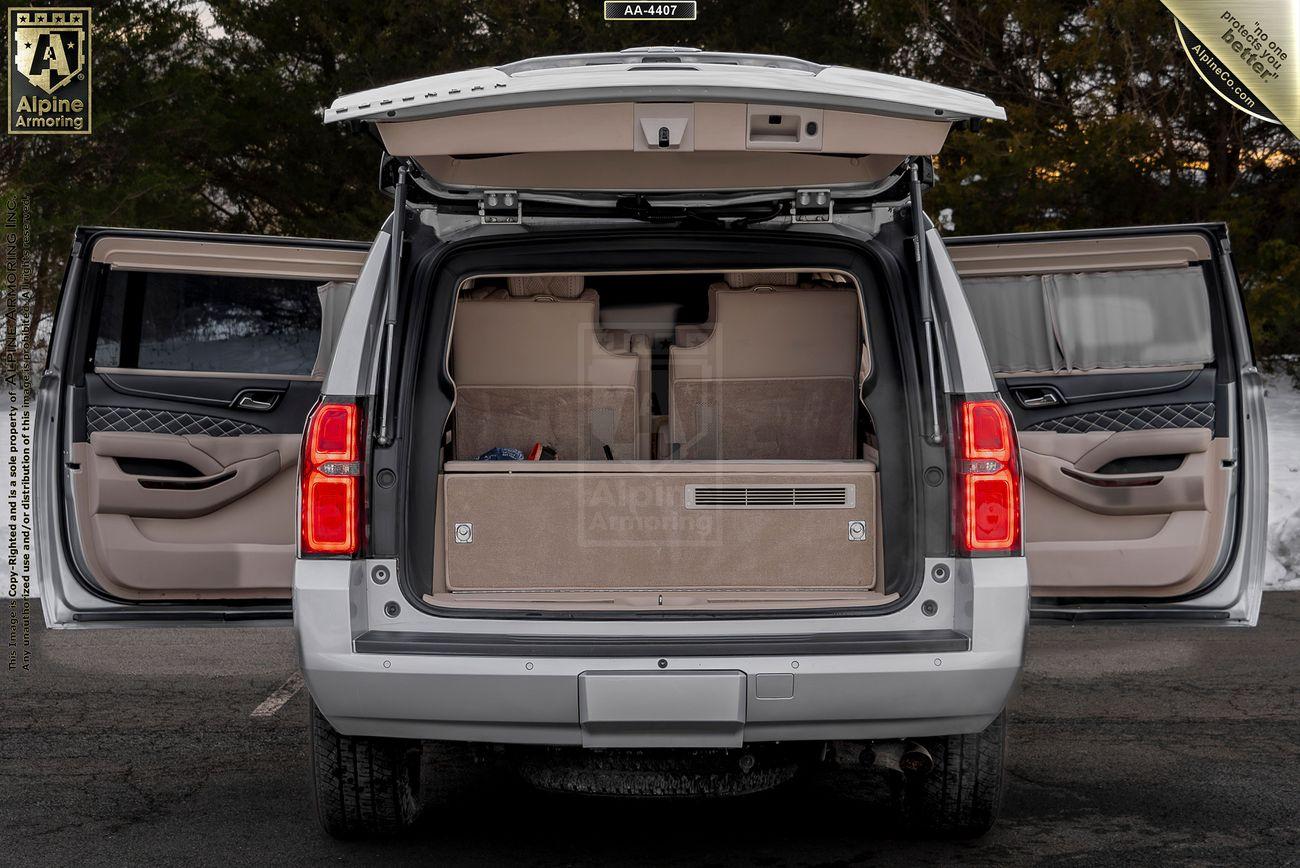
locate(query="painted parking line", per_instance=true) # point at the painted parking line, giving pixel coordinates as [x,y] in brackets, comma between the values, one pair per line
[279,696]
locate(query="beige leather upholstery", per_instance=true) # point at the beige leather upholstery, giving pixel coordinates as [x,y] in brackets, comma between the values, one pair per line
[1145,534]
[230,536]
[748,279]
[774,377]
[554,285]
[694,334]
[531,365]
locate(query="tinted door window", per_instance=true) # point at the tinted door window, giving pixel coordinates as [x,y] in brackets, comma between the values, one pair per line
[195,322]
[1086,321]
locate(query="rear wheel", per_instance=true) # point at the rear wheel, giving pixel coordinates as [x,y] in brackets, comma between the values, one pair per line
[362,786]
[962,795]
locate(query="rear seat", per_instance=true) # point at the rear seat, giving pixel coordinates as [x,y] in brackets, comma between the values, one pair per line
[531,365]
[772,376]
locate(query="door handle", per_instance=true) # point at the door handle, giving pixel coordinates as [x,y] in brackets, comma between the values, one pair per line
[257,400]
[1114,480]
[1116,494]
[1045,400]
[188,497]
[1037,397]
[184,483]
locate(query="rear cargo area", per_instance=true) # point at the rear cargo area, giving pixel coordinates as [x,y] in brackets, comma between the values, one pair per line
[658,441]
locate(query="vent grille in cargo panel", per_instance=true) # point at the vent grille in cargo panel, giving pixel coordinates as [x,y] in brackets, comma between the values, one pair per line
[769,496]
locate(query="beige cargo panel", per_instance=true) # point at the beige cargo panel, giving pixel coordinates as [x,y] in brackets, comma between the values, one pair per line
[558,531]
[607,146]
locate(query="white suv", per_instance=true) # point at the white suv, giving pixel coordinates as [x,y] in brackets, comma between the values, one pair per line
[657,437]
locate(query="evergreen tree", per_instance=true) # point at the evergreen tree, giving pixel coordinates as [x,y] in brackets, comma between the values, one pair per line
[206,115]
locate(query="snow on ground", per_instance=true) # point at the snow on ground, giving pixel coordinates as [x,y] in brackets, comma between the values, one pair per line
[1282,406]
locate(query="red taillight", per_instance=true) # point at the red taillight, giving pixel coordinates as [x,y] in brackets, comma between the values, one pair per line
[332,434]
[988,479]
[331,481]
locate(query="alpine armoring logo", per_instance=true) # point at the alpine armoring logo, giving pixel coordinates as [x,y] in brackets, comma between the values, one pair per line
[49,71]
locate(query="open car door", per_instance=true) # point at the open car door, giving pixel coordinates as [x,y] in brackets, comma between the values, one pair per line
[181,371]
[1125,359]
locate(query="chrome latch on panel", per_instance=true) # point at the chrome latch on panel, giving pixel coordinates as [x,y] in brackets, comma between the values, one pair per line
[500,206]
[812,206]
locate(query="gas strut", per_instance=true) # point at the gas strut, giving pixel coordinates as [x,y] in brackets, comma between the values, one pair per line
[927,305]
[390,308]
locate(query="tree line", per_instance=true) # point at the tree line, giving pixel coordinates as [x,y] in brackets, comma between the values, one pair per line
[205,116]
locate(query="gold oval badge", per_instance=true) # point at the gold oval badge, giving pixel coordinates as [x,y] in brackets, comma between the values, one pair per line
[1246,52]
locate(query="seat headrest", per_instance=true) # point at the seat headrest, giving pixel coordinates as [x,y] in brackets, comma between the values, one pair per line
[477,292]
[746,279]
[555,285]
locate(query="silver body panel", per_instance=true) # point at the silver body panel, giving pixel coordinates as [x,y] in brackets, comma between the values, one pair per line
[536,700]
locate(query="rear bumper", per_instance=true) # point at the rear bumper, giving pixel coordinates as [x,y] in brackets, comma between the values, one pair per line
[496,699]
[536,690]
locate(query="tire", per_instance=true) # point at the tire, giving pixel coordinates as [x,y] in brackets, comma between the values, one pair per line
[961,797]
[362,786]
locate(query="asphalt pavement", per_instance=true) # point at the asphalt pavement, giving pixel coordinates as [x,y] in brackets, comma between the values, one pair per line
[1129,745]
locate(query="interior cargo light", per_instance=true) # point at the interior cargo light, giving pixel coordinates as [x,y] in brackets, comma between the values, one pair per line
[330,501]
[988,490]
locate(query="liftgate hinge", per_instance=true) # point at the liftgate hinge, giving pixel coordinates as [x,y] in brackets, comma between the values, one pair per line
[500,206]
[812,206]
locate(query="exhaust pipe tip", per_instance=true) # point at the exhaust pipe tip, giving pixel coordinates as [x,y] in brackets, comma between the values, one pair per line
[891,755]
[916,760]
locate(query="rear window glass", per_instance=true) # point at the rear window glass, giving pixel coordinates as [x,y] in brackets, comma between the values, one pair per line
[1085,321]
[195,322]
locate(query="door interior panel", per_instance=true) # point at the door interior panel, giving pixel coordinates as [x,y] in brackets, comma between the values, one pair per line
[181,494]
[219,482]
[182,483]
[1108,386]
[1159,537]
[181,371]
[1125,487]
[1130,401]
[1127,472]
[1126,493]
[156,537]
[1124,500]
[213,401]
